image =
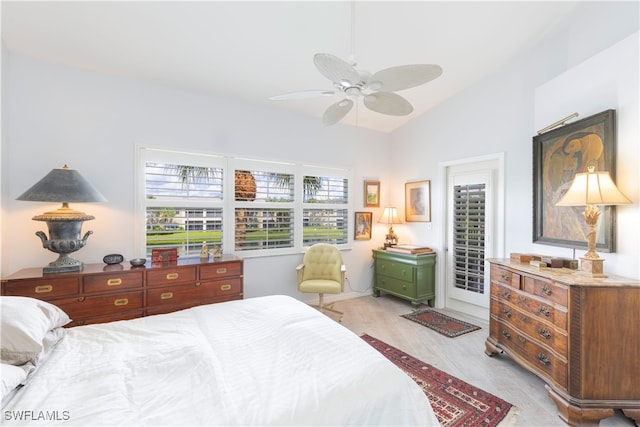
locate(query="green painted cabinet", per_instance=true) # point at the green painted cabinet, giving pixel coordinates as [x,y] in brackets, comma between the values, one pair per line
[412,277]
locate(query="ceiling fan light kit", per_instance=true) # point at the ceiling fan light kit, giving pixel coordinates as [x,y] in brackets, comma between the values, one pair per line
[376,90]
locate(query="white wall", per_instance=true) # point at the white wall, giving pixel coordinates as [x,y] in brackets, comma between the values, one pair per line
[499,115]
[57,115]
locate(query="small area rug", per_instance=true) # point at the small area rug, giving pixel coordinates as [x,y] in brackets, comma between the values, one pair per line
[446,325]
[455,402]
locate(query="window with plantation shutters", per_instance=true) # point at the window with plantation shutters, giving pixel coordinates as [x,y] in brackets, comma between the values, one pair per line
[183,198]
[252,207]
[469,237]
[263,210]
[325,213]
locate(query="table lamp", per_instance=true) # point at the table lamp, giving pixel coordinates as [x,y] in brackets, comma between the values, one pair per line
[390,217]
[63,185]
[591,189]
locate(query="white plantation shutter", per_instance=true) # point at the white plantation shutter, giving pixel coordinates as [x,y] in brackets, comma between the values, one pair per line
[325,213]
[469,236]
[183,200]
[260,207]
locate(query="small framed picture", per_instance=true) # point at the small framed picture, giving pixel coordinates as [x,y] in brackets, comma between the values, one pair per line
[363,226]
[372,194]
[417,201]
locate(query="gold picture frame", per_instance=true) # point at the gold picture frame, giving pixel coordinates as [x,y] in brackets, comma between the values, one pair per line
[557,156]
[372,194]
[363,224]
[417,201]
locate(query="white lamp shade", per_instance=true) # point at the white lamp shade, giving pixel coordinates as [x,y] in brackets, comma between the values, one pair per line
[390,216]
[593,188]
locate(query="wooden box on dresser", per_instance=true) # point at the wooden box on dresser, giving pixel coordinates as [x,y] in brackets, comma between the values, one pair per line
[580,335]
[104,293]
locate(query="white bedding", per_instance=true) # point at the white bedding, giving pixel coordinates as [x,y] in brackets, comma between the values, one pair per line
[262,361]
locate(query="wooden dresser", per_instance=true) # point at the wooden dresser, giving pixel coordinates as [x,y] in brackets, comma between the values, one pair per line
[407,276]
[580,335]
[104,293]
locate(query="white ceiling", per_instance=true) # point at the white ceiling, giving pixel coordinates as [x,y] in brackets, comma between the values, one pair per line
[253,50]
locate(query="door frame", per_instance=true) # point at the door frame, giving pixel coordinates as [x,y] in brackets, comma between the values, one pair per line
[499,233]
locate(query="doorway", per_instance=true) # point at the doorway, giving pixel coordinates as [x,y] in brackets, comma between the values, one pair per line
[474,231]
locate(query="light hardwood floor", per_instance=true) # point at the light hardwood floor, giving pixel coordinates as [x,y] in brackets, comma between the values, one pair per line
[462,357]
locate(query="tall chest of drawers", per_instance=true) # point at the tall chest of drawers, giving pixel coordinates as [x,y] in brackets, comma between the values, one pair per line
[104,293]
[580,335]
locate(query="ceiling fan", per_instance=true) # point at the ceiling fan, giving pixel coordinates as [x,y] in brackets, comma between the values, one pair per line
[377,90]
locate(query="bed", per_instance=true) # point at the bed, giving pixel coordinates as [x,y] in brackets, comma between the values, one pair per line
[261,361]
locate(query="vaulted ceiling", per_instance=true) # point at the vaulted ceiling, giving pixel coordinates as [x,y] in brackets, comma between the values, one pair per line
[250,51]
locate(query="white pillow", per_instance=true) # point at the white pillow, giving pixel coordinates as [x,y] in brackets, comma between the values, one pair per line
[13,376]
[26,328]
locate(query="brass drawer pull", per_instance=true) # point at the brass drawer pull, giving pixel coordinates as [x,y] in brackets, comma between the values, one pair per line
[522,339]
[44,289]
[506,294]
[114,282]
[544,333]
[505,276]
[506,334]
[544,359]
[172,276]
[121,301]
[80,299]
[547,290]
[522,299]
[225,287]
[506,313]
[221,270]
[166,295]
[544,310]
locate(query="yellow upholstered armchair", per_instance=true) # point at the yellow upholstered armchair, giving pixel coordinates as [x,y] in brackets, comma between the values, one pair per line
[322,272]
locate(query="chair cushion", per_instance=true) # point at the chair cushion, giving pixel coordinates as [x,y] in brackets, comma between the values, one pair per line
[322,261]
[320,286]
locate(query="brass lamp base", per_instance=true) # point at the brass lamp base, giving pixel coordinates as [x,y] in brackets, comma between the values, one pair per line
[592,267]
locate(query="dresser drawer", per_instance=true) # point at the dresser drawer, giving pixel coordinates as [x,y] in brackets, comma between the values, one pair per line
[539,307]
[396,270]
[545,333]
[169,276]
[226,287]
[101,305]
[221,270]
[112,282]
[540,358]
[109,318]
[547,289]
[506,277]
[42,288]
[395,286]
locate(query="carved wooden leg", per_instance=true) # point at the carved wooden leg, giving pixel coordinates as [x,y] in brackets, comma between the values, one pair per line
[577,416]
[634,414]
[490,349]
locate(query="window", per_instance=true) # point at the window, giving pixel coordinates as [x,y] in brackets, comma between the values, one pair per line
[183,201]
[325,213]
[263,209]
[276,207]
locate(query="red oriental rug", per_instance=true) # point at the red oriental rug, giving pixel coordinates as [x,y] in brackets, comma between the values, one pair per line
[446,325]
[455,402]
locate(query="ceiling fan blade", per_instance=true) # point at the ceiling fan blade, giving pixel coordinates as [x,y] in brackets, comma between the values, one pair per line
[388,103]
[336,69]
[404,77]
[303,94]
[336,112]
